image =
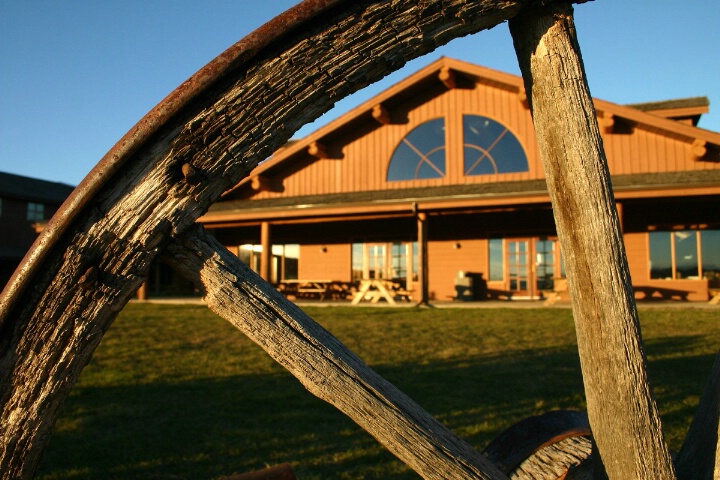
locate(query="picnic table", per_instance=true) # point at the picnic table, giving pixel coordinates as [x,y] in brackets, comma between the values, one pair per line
[714,296]
[376,289]
[321,289]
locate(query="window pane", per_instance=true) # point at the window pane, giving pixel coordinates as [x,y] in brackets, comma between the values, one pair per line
[496,259]
[292,261]
[660,255]
[711,256]
[244,253]
[545,264]
[686,257]
[376,261]
[250,254]
[357,261]
[399,262]
[490,148]
[35,212]
[421,154]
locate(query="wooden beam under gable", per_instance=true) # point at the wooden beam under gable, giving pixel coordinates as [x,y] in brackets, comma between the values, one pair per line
[699,149]
[607,122]
[522,96]
[262,183]
[318,150]
[447,77]
[381,114]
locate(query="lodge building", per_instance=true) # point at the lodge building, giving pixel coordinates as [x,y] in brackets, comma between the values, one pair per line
[439,178]
[26,204]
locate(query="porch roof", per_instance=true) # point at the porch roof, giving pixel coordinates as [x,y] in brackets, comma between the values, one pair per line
[531,191]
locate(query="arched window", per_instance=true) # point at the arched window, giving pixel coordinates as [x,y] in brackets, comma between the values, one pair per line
[421,154]
[490,148]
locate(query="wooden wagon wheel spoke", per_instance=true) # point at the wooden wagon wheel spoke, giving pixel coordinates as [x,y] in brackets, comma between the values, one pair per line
[321,362]
[622,411]
[200,141]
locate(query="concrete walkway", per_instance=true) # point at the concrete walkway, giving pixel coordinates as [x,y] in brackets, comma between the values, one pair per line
[667,304]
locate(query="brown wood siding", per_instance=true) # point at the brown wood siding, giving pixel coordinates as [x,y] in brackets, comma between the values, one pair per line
[331,264]
[365,160]
[636,246]
[445,261]
[648,151]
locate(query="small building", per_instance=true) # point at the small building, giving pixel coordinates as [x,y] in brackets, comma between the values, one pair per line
[26,204]
[437,184]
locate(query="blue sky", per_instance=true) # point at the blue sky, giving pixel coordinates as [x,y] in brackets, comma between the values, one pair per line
[75,76]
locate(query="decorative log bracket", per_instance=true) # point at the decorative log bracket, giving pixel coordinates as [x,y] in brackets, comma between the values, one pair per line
[145,195]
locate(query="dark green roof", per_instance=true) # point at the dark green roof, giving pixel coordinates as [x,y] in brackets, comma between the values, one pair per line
[670,104]
[469,191]
[33,189]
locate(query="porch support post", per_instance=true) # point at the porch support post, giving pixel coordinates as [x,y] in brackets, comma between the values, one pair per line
[142,293]
[621,408]
[266,254]
[423,280]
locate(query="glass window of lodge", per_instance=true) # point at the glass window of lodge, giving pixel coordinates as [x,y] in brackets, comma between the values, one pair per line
[710,248]
[421,154]
[497,261]
[284,260]
[396,261]
[490,148]
[685,254]
[545,264]
[35,212]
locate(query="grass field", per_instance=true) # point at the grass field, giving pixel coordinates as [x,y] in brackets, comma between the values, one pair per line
[174,392]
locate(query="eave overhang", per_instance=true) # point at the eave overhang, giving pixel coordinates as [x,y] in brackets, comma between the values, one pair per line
[407,202]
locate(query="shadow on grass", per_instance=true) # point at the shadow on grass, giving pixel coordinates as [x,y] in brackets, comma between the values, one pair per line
[218,426]
[678,373]
[213,427]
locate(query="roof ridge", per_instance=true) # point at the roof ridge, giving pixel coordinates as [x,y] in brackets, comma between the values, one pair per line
[700,101]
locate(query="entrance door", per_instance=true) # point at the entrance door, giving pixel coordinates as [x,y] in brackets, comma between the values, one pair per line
[376,260]
[397,261]
[518,261]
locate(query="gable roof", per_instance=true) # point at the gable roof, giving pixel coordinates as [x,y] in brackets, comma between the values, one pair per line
[33,189]
[656,115]
[677,109]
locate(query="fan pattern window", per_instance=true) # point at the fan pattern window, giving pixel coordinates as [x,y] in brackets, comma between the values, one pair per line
[490,148]
[421,154]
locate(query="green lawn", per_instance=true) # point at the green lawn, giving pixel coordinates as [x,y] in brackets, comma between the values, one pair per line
[175,392]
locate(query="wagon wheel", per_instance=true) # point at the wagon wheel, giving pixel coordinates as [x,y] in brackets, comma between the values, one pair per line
[543,447]
[143,198]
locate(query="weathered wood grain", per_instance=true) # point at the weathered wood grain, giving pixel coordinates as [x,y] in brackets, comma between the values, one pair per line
[622,412]
[322,363]
[554,461]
